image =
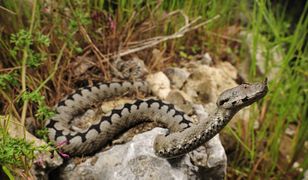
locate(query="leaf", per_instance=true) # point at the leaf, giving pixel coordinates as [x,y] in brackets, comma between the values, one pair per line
[183,54]
[8,173]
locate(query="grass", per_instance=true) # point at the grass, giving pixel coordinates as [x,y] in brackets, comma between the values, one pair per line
[288,85]
[38,43]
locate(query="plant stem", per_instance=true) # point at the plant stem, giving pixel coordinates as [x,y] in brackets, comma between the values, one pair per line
[23,90]
[33,16]
[54,69]
[23,72]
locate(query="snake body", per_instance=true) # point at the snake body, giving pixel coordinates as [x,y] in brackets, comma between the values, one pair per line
[184,136]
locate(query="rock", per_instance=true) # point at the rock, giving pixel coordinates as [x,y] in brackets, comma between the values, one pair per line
[200,112]
[290,130]
[159,84]
[177,76]
[305,175]
[30,125]
[205,83]
[207,59]
[45,164]
[210,158]
[180,99]
[227,70]
[136,160]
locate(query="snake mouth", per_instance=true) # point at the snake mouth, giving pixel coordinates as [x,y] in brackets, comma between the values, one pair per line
[255,98]
[261,90]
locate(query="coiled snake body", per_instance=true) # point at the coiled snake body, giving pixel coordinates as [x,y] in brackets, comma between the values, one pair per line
[184,136]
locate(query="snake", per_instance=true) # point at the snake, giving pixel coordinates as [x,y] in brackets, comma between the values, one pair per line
[183,135]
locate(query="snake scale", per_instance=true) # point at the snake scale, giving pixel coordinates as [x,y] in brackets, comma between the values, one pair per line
[184,136]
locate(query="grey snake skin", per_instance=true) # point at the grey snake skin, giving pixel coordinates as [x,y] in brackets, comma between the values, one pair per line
[184,136]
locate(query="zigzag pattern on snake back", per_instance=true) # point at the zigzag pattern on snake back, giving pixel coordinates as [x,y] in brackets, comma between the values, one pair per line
[184,136]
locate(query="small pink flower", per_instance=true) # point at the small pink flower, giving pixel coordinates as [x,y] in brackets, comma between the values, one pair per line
[61,143]
[58,150]
[63,155]
[52,154]
[40,161]
[112,24]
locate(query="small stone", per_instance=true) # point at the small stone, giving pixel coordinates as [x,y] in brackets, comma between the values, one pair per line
[30,125]
[296,165]
[305,175]
[207,59]
[200,112]
[290,130]
[256,125]
[177,76]
[159,84]
[180,99]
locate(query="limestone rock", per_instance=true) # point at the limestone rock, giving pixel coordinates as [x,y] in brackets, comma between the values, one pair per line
[210,158]
[207,59]
[305,175]
[177,76]
[136,160]
[159,84]
[205,83]
[180,99]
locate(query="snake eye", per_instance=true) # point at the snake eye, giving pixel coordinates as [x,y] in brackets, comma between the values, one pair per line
[222,101]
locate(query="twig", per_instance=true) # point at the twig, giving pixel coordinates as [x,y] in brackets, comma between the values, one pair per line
[10,103]
[224,37]
[96,50]
[10,69]
[5,9]
[54,69]
[144,44]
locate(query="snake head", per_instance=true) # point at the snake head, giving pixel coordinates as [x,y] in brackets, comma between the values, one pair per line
[242,95]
